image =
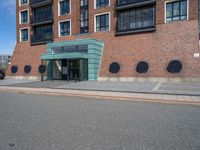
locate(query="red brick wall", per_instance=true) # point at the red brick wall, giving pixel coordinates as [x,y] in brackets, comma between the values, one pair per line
[176,40]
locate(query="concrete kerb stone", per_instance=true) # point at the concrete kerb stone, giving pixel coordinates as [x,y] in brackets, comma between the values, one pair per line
[158,98]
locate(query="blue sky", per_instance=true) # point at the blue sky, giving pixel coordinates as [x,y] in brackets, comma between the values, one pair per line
[7,26]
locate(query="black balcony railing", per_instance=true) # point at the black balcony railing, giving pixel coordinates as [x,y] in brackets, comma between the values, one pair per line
[126,4]
[42,39]
[35,3]
[41,20]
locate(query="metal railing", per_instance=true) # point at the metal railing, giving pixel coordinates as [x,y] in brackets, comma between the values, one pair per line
[45,18]
[32,2]
[129,2]
[41,38]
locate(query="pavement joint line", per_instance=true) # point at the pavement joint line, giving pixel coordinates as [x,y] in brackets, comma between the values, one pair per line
[157,86]
[135,97]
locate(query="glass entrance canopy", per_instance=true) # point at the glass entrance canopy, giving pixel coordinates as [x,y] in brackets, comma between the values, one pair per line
[89,50]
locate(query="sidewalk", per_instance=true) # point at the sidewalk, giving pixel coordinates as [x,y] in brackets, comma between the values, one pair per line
[158,98]
[188,89]
[184,93]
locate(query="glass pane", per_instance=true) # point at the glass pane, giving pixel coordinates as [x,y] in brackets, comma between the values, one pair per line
[135,19]
[169,10]
[176,9]
[139,19]
[184,8]
[64,7]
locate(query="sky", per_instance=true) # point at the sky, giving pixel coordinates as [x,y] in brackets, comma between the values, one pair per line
[7,26]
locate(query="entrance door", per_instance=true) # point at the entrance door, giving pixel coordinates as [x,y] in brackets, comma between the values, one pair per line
[74,69]
[64,70]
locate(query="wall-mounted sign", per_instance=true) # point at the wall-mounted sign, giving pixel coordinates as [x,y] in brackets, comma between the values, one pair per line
[196,55]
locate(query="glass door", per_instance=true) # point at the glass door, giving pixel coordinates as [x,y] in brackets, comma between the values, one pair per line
[74,70]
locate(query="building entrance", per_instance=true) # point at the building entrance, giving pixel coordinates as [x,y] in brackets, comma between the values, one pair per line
[70,69]
[74,69]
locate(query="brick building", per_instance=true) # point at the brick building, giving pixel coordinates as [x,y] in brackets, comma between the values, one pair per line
[107,40]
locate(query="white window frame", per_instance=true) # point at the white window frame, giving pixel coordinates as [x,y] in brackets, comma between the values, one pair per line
[165,9]
[95,4]
[21,16]
[23,4]
[70,27]
[70,7]
[20,35]
[95,21]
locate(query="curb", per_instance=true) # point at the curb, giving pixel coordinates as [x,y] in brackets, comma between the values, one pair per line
[152,98]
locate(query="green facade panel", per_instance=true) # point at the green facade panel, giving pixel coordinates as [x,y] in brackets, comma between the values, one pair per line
[91,60]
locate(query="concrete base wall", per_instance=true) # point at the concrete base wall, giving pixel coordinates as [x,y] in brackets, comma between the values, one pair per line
[36,78]
[148,79]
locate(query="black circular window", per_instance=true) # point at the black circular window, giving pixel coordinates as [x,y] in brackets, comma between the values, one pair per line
[14,69]
[174,66]
[142,67]
[114,67]
[27,69]
[42,69]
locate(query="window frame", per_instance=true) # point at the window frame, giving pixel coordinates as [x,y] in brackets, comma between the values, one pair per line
[84,17]
[68,20]
[95,4]
[70,8]
[137,29]
[95,21]
[20,34]
[171,1]
[20,16]
[20,4]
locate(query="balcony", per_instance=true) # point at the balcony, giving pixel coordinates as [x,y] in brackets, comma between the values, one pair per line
[126,4]
[35,21]
[38,3]
[36,40]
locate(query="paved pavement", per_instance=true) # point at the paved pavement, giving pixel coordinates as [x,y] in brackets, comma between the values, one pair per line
[38,122]
[137,87]
[147,97]
[11,81]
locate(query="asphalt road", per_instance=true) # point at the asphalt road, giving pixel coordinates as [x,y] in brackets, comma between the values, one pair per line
[38,122]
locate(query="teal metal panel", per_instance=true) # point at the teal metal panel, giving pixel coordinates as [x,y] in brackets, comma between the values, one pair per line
[64,56]
[93,56]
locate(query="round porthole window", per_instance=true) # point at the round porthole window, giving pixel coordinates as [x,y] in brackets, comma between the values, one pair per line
[14,69]
[142,67]
[42,69]
[174,66]
[27,68]
[114,67]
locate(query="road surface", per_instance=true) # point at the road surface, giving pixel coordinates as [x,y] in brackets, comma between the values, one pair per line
[41,122]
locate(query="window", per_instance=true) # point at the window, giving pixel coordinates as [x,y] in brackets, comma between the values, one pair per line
[24,17]
[84,16]
[102,22]
[23,2]
[83,2]
[43,33]
[101,3]
[136,19]
[64,7]
[24,35]
[176,10]
[42,13]
[64,28]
